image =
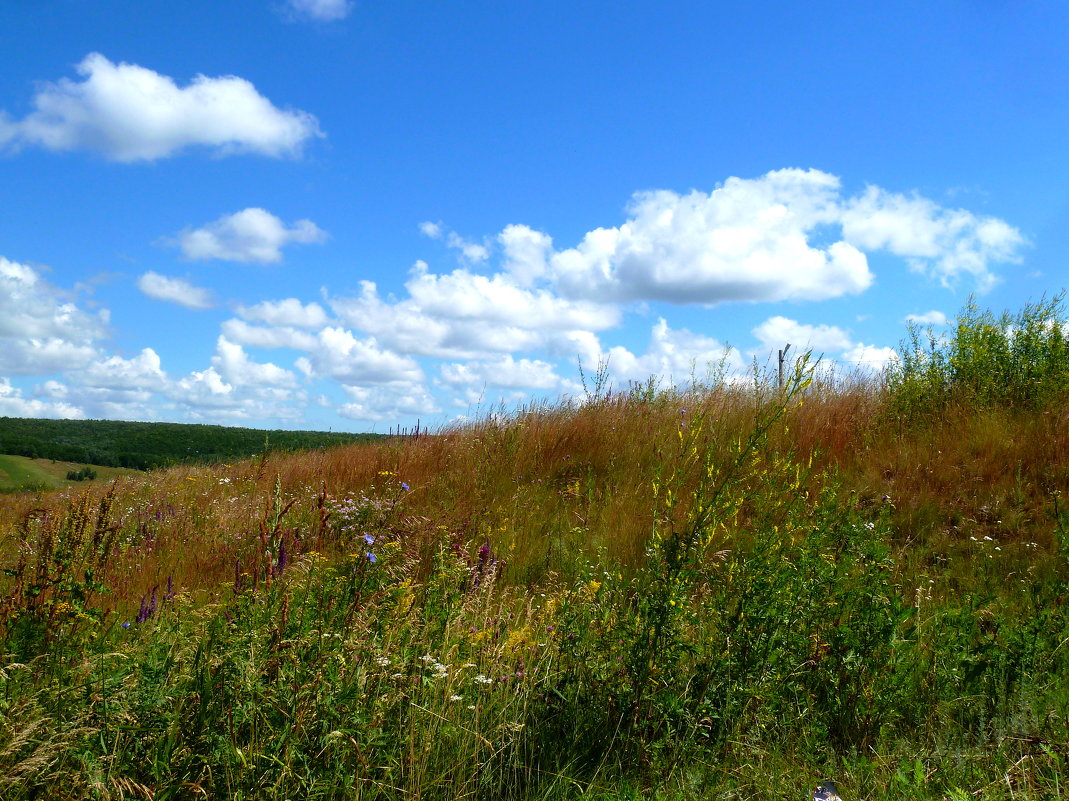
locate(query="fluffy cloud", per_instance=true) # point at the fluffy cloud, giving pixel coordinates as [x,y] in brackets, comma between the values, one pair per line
[288,312]
[464,315]
[942,243]
[12,404]
[357,362]
[396,402]
[933,317]
[321,10]
[763,239]
[143,372]
[174,290]
[527,253]
[672,357]
[869,356]
[748,240]
[129,113]
[251,235]
[504,372]
[208,395]
[261,336]
[465,295]
[234,365]
[832,345]
[470,252]
[775,332]
[41,331]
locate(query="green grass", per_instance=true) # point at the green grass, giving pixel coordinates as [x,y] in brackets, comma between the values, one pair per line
[715,592]
[20,473]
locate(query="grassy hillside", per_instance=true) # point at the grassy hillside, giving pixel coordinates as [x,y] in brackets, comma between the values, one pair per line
[21,474]
[115,443]
[723,591]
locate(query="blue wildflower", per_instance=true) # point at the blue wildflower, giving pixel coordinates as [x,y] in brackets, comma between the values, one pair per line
[371,557]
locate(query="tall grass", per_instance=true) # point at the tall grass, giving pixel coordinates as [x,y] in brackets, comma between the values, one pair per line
[724,589]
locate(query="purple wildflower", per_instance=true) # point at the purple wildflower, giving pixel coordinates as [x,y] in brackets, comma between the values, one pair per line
[369,539]
[404,486]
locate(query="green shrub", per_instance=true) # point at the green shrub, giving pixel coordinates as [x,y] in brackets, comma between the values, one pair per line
[1018,361]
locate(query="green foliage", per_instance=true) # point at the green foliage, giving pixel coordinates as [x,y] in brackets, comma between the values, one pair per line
[1018,361]
[114,443]
[775,627]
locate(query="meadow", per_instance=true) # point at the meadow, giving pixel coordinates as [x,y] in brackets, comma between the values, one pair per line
[725,590]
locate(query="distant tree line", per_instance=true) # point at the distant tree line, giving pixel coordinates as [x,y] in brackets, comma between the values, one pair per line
[143,446]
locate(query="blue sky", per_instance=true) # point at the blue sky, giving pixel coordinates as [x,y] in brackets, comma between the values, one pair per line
[350,215]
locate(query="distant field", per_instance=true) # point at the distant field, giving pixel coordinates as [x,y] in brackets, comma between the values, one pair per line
[116,443]
[19,473]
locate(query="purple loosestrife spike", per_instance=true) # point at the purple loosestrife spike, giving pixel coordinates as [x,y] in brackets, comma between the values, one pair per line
[282,560]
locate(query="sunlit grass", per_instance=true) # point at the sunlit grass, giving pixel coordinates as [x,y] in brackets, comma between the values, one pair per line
[722,590]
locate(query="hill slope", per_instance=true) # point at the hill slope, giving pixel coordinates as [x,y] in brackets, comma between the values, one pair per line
[114,443]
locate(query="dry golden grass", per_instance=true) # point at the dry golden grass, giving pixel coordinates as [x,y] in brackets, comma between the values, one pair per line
[546,483]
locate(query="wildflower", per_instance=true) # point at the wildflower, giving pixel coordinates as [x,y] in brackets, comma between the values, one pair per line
[481,679]
[371,557]
[404,486]
[126,625]
[382,661]
[456,698]
[369,539]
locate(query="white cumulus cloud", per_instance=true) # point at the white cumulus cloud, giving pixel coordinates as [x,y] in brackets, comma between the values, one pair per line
[12,404]
[869,356]
[288,312]
[130,113]
[933,317]
[235,367]
[357,362]
[175,290]
[388,403]
[41,329]
[778,331]
[142,372]
[943,243]
[748,240]
[504,372]
[789,235]
[268,336]
[250,235]
[673,356]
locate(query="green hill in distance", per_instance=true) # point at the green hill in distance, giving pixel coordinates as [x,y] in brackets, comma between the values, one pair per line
[142,446]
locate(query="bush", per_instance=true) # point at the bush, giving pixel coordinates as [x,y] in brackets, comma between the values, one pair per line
[1016,361]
